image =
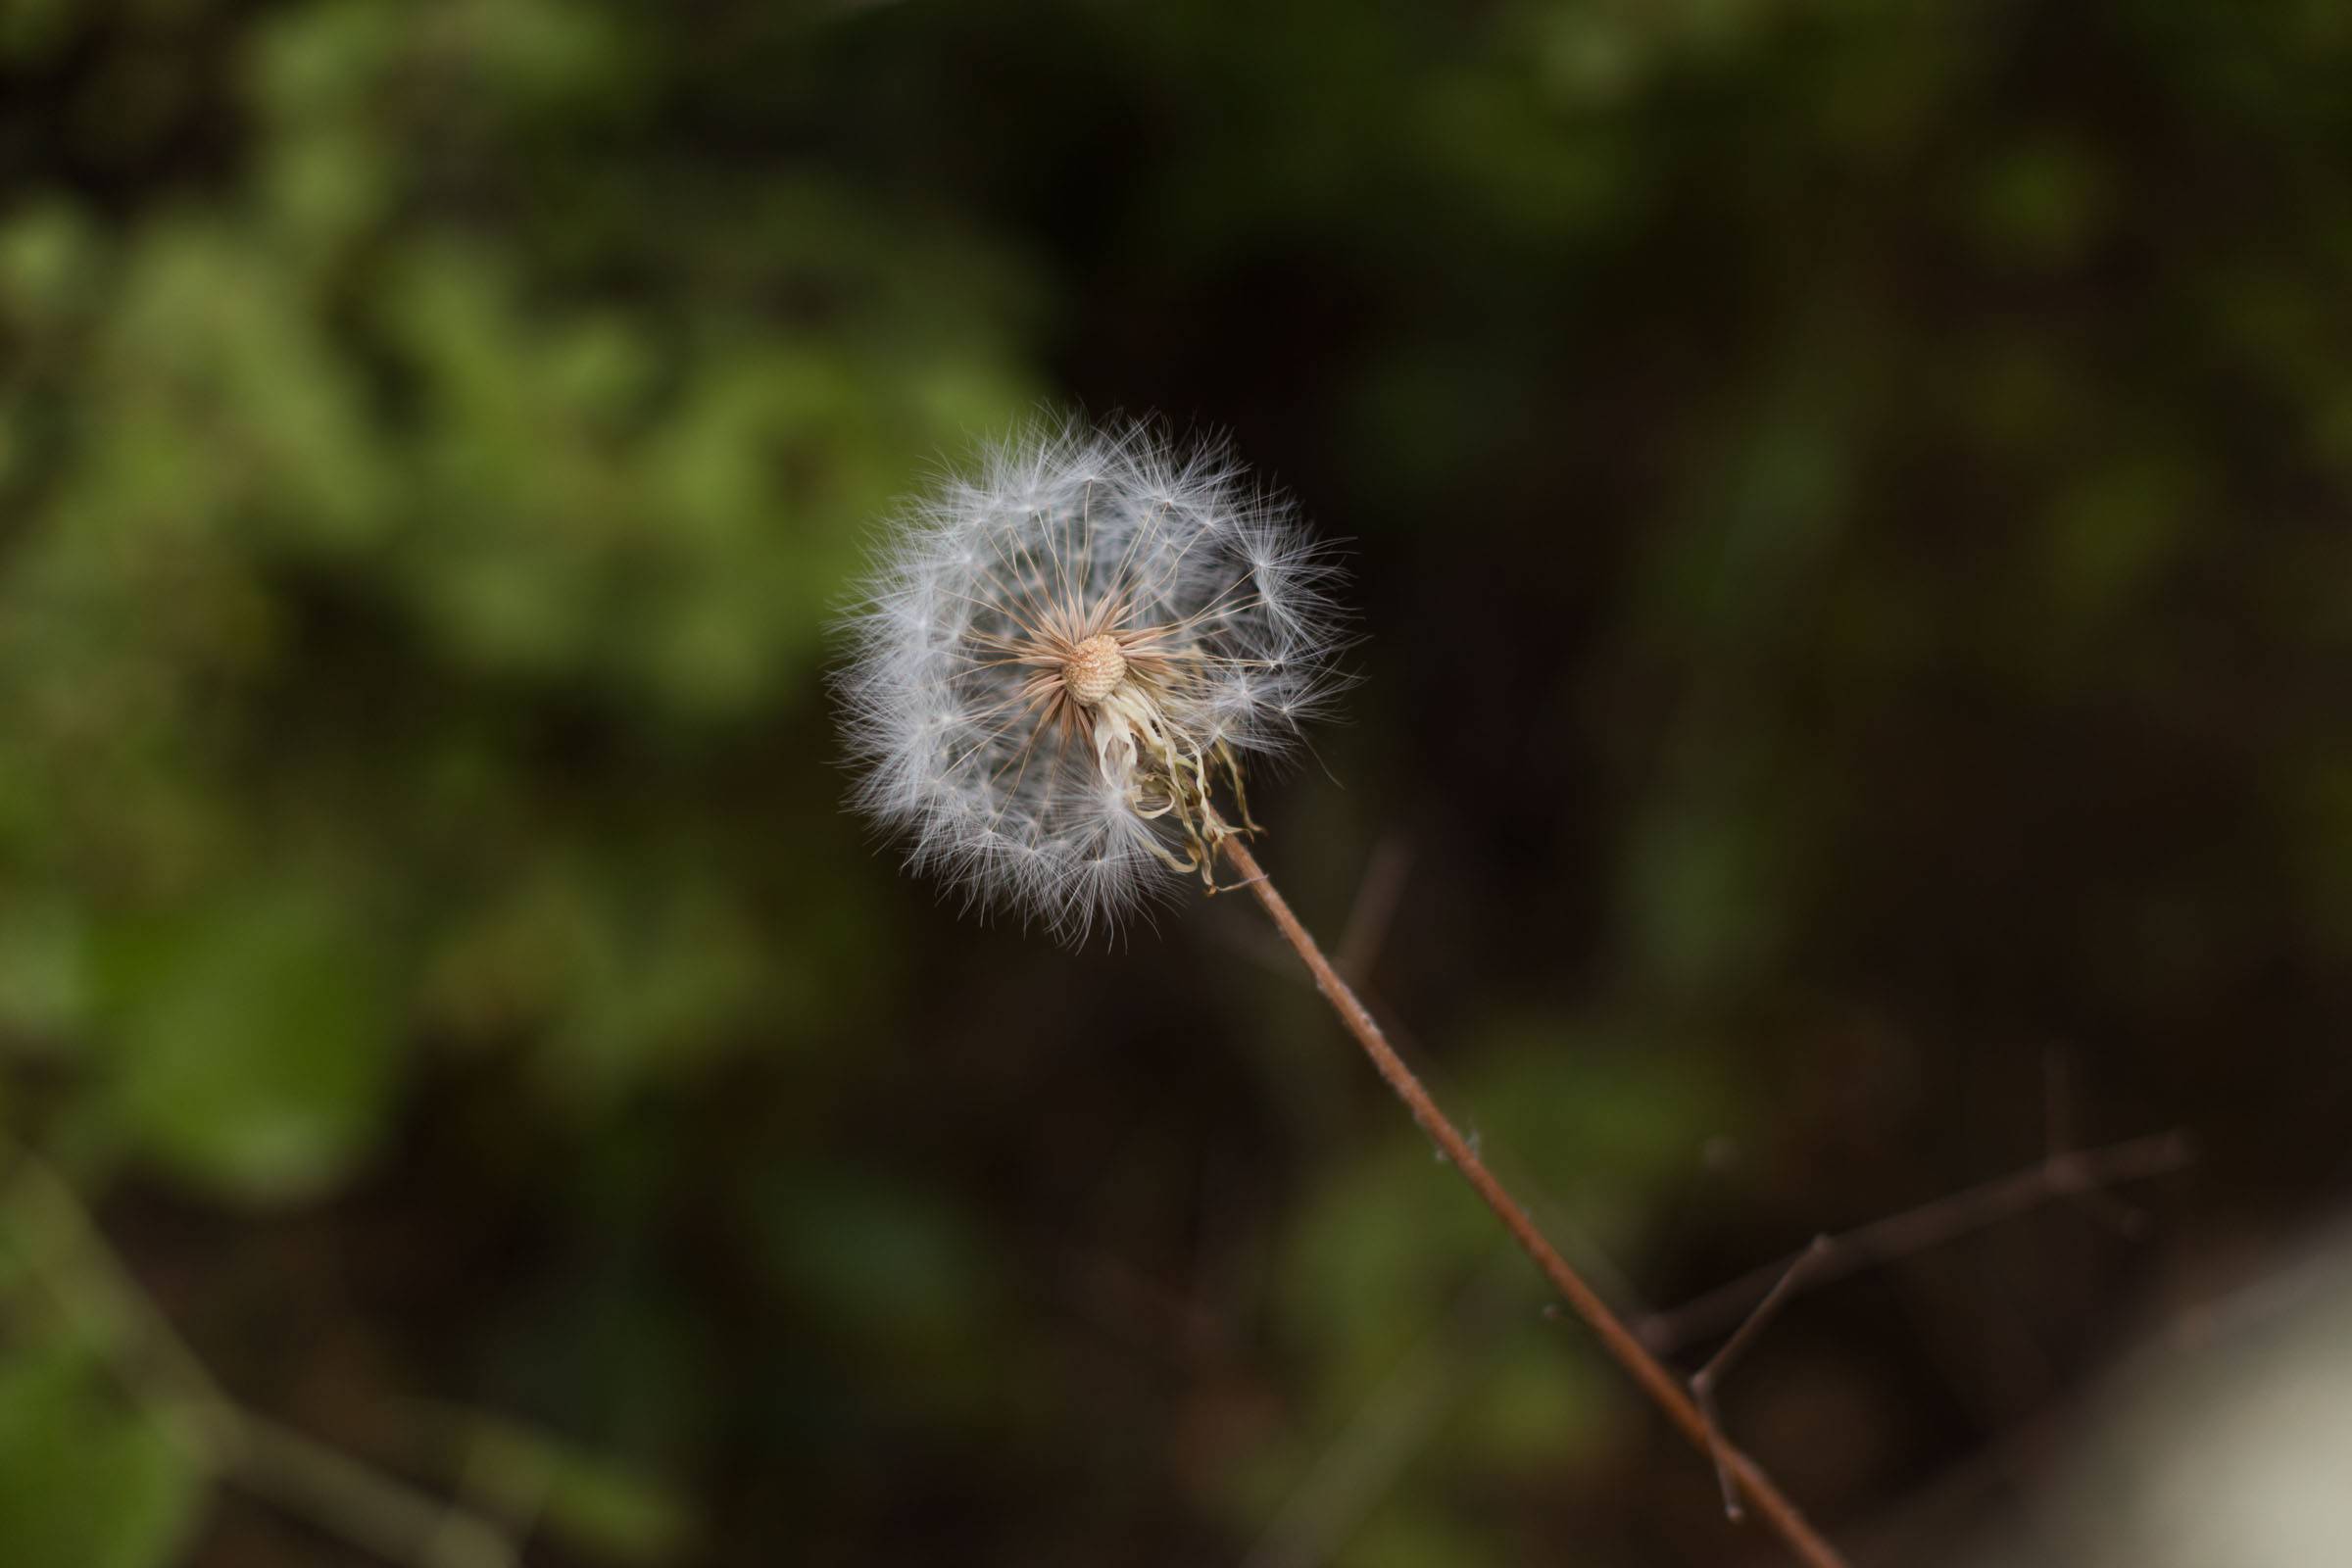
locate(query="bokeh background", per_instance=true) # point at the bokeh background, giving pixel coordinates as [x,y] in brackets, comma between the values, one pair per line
[1848,510]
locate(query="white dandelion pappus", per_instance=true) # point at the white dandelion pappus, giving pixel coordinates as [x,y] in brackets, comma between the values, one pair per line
[1058,668]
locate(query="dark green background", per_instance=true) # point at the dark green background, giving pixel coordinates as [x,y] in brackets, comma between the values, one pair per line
[1848,509]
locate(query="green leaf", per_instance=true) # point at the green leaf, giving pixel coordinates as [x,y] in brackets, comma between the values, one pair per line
[43,972]
[252,1043]
[83,1480]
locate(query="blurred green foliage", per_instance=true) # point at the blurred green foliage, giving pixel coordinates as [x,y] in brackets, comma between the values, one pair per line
[1849,507]
[338,495]
[88,1482]
[419,505]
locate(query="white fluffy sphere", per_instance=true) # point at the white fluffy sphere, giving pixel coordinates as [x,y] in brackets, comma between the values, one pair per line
[1057,668]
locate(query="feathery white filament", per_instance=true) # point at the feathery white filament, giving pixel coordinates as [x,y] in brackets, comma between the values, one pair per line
[1053,663]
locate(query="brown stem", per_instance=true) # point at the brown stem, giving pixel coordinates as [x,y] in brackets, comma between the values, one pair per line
[1663,1388]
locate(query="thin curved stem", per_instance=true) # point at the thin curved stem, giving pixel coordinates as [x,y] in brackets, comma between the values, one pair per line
[346,1497]
[1663,1388]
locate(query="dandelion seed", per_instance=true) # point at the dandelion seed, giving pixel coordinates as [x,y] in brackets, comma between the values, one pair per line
[1059,669]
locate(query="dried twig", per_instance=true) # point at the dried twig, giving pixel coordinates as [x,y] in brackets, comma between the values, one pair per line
[1704,1380]
[1661,1386]
[1335,1495]
[2070,1174]
[2058,1139]
[1375,907]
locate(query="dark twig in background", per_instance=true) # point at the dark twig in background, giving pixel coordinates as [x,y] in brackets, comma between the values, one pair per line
[1704,1382]
[2057,1175]
[1378,1442]
[1374,907]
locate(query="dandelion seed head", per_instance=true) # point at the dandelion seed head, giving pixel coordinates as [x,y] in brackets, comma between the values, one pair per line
[1061,663]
